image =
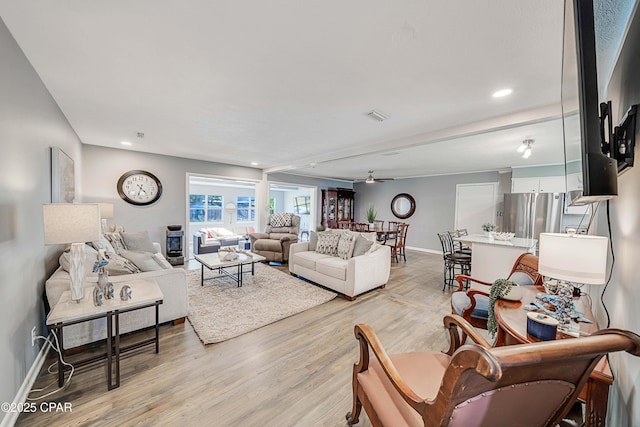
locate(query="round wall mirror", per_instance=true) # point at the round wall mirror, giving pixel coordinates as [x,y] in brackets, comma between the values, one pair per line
[403,205]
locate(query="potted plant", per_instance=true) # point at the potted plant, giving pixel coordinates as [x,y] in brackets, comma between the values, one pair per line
[371,215]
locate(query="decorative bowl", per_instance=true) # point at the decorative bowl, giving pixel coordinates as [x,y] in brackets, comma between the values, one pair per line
[504,236]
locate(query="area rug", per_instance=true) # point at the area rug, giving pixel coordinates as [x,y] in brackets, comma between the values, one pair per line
[220,310]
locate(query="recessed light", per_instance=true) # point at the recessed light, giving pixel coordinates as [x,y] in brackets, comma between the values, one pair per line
[254,163]
[125,143]
[502,92]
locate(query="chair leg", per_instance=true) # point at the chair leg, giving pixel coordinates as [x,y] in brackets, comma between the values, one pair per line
[353,416]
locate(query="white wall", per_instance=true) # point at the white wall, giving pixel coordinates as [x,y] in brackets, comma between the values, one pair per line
[103,166]
[30,122]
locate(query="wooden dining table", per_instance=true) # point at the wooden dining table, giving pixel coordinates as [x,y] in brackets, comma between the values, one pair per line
[512,329]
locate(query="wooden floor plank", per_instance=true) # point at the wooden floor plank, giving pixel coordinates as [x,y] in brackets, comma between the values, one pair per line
[295,372]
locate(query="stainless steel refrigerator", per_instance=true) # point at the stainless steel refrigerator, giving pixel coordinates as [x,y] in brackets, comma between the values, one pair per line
[529,214]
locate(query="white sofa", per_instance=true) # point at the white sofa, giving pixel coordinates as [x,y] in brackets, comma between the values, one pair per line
[350,277]
[172,283]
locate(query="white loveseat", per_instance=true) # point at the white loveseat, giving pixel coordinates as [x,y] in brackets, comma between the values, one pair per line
[350,277]
[172,283]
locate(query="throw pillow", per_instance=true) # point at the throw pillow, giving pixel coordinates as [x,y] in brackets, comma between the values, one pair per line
[345,245]
[143,260]
[313,241]
[119,265]
[116,241]
[280,219]
[328,244]
[361,246]
[139,241]
[101,243]
[90,257]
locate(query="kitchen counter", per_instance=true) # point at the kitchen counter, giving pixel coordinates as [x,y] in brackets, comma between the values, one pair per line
[493,259]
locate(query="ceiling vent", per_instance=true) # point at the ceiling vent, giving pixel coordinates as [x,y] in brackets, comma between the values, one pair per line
[376,115]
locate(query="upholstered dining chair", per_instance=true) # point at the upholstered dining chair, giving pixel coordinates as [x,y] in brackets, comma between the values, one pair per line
[452,260]
[474,385]
[473,304]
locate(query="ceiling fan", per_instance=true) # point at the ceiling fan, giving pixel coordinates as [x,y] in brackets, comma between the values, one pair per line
[370,179]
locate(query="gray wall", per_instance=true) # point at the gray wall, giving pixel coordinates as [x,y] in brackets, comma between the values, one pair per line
[435,203]
[30,122]
[623,293]
[103,166]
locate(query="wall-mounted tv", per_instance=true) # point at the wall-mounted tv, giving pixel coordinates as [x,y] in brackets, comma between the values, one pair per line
[591,174]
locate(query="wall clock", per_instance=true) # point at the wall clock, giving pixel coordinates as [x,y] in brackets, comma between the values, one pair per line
[139,187]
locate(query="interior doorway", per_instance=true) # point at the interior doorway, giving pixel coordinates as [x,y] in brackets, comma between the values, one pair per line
[298,199]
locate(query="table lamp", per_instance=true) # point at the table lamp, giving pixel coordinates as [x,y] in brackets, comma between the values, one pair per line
[572,259]
[106,212]
[74,223]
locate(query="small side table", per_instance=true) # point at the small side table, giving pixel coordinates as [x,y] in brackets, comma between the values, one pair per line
[145,293]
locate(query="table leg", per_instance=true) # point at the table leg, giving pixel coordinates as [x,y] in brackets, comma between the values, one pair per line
[58,332]
[157,328]
[201,274]
[109,351]
[240,275]
[117,321]
[253,270]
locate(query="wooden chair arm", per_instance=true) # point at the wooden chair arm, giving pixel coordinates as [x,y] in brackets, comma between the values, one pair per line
[368,338]
[461,278]
[452,322]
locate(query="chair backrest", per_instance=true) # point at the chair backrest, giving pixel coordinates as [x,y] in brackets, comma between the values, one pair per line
[361,226]
[446,243]
[277,223]
[527,384]
[344,225]
[527,264]
[401,236]
[378,225]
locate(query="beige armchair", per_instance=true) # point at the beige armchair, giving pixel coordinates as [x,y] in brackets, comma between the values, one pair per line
[282,230]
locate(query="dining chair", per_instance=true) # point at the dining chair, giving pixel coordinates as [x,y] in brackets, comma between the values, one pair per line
[452,260]
[344,225]
[398,244]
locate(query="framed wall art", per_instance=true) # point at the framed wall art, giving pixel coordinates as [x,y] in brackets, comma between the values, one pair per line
[63,189]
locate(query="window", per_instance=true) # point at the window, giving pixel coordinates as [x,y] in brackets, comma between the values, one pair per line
[214,208]
[196,207]
[246,208]
[272,206]
[205,208]
[302,205]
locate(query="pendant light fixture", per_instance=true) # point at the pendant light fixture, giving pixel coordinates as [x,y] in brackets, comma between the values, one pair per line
[525,148]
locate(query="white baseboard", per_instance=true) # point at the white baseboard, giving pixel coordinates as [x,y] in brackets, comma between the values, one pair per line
[431,251]
[21,396]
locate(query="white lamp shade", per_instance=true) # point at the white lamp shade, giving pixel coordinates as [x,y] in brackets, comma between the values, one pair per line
[573,258]
[106,210]
[71,223]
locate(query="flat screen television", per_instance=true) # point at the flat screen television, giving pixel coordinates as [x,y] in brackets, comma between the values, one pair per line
[591,174]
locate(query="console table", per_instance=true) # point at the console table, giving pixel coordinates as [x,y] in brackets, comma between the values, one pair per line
[145,293]
[512,329]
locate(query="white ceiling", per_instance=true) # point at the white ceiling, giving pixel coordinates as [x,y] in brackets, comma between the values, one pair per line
[288,84]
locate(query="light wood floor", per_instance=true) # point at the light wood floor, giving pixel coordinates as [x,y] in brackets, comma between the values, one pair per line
[295,372]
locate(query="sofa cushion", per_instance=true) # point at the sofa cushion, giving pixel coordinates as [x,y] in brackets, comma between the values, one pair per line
[101,243]
[333,267]
[345,245]
[138,241]
[280,219]
[308,259]
[328,244]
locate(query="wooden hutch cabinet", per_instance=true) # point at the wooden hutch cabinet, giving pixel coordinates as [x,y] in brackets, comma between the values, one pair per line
[337,205]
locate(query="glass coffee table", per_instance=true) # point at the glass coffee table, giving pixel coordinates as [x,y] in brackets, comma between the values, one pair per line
[233,269]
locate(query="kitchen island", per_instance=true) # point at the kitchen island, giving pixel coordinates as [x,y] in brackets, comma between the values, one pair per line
[493,259]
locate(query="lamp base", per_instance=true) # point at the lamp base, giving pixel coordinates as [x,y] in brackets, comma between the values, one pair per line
[76,271]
